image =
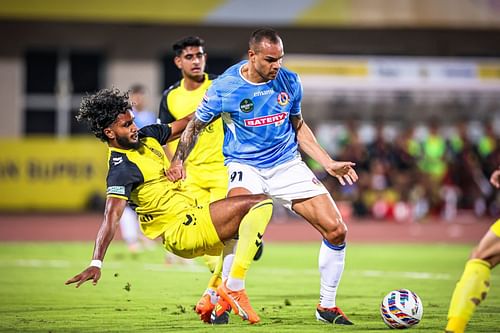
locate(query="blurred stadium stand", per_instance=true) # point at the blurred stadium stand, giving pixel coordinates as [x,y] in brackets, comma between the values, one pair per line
[390,63]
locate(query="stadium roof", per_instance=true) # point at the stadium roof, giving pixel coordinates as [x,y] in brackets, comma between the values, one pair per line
[300,13]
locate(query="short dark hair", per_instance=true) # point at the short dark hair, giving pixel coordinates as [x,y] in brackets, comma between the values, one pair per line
[260,34]
[101,109]
[180,45]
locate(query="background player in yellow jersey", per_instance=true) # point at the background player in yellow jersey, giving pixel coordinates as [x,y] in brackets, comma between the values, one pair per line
[474,283]
[207,180]
[137,165]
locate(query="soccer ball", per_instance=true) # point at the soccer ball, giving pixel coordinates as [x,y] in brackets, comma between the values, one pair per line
[401,309]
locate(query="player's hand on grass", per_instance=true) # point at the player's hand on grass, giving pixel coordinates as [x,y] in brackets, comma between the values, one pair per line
[343,171]
[176,171]
[495,178]
[91,273]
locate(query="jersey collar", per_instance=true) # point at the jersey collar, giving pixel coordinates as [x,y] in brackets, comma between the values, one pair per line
[240,71]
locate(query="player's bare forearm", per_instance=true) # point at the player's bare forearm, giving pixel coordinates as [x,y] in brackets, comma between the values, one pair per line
[343,171]
[113,212]
[308,143]
[177,127]
[104,237]
[168,153]
[188,139]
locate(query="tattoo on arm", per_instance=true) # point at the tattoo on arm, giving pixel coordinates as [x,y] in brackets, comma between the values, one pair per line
[188,139]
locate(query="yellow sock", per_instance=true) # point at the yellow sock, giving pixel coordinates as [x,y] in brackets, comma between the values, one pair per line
[216,263]
[250,233]
[469,292]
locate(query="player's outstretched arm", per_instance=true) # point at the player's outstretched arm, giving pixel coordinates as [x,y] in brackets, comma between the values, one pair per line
[186,143]
[343,171]
[113,212]
[495,178]
[178,126]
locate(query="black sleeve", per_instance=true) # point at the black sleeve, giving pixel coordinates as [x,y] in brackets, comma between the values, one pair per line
[164,112]
[161,132]
[123,176]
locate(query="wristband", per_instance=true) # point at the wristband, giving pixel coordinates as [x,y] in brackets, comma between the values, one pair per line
[96,263]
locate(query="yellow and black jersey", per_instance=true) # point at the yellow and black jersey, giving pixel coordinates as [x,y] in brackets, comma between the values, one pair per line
[138,175]
[495,228]
[177,103]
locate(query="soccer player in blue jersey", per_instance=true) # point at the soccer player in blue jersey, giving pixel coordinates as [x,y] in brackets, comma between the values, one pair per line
[207,180]
[260,104]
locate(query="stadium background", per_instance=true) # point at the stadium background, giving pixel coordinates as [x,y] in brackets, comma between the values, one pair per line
[365,65]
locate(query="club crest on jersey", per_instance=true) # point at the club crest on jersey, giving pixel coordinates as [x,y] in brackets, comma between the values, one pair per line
[246,105]
[283,98]
[276,119]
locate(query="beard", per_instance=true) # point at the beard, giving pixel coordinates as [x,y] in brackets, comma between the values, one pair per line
[125,142]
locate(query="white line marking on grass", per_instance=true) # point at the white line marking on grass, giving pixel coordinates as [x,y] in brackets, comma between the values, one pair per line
[51,263]
[411,275]
[181,268]
[41,263]
[196,267]
[367,273]
[285,271]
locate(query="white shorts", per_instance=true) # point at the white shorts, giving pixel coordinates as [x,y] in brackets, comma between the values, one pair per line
[284,183]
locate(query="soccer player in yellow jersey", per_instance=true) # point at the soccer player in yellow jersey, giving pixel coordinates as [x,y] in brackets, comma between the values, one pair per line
[207,179]
[137,165]
[474,283]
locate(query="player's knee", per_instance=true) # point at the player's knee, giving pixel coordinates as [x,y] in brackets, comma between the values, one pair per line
[261,197]
[475,254]
[337,234]
[247,202]
[479,254]
[256,198]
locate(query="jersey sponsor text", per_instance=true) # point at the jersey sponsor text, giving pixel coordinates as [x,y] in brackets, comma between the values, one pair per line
[263,92]
[266,120]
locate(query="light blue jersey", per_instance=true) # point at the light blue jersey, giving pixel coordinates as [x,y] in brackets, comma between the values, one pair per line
[257,126]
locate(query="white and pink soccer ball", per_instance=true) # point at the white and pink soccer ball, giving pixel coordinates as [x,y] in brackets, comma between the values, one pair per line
[401,309]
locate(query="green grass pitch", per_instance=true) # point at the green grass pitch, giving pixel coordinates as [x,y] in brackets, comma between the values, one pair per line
[142,294]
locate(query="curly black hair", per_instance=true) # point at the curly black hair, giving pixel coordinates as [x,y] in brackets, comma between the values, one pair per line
[101,109]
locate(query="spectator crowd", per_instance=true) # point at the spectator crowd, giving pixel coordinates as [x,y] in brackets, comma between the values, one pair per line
[408,172]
